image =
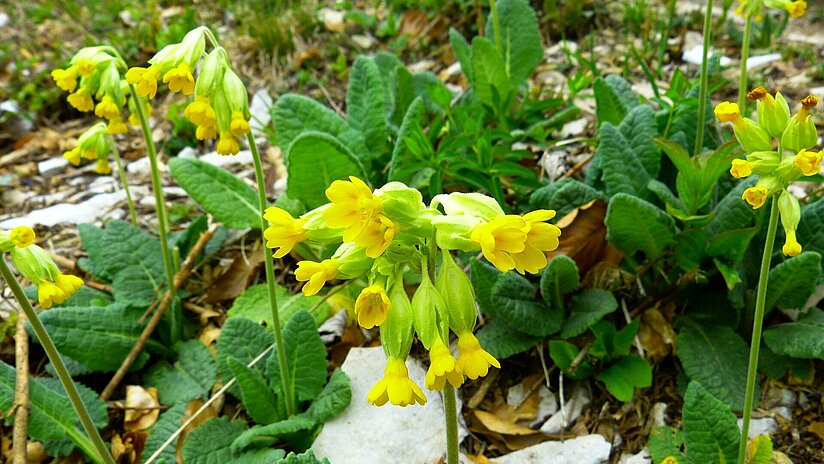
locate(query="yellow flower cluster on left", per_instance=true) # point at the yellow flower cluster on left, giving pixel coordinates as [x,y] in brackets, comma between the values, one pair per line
[53,287]
[779,150]
[389,237]
[95,144]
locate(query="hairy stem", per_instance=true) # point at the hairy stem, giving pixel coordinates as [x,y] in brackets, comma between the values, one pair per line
[125,183]
[702,95]
[742,79]
[450,407]
[20,436]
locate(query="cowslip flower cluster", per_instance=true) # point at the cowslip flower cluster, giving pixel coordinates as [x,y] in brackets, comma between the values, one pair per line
[389,237]
[754,8]
[95,144]
[94,73]
[220,108]
[795,134]
[53,287]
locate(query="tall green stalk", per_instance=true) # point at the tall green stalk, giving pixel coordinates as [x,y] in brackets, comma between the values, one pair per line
[450,406]
[122,174]
[742,79]
[285,378]
[496,28]
[702,94]
[758,320]
[102,451]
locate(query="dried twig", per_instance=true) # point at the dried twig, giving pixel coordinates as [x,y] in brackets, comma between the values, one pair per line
[180,277]
[21,391]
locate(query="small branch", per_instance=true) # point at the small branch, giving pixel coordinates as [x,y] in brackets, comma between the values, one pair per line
[21,391]
[181,276]
[573,366]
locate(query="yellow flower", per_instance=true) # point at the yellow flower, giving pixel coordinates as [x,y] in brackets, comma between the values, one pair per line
[540,239]
[81,100]
[316,274]
[200,112]
[85,67]
[797,8]
[396,387]
[206,132]
[353,207]
[809,162]
[372,306]
[133,119]
[73,156]
[500,238]
[728,112]
[68,283]
[116,126]
[755,196]
[377,235]
[669,460]
[107,108]
[102,166]
[740,168]
[66,79]
[180,79]
[443,367]
[473,361]
[285,231]
[227,145]
[22,236]
[144,80]
[49,294]
[239,125]
[90,155]
[791,246]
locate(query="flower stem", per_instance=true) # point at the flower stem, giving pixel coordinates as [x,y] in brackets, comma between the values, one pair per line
[496,27]
[122,174]
[286,380]
[451,414]
[157,187]
[755,344]
[742,79]
[702,94]
[59,366]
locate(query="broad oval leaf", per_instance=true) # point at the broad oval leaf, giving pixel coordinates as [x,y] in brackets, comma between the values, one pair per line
[517,304]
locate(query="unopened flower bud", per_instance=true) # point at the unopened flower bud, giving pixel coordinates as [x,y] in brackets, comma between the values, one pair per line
[801,132]
[456,289]
[773,112]
[790,217]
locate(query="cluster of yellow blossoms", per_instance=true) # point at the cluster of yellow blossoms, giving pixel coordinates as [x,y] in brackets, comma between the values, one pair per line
[94,144]
[220,106]
[796,134]
[389,234]
[34,263]
[796,8]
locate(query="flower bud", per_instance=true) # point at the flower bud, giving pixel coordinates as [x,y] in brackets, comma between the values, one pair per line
[773,112]
[457,292]
[427,308]
[801,132]
[352,260]
[452,232]
[790,217]
[211,73]
[475,205]
[235,91]
[396,330]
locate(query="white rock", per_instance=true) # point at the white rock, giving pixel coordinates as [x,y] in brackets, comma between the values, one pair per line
[66,213]
[140,167]
[454,69]
[574,128]
[759,61]
[423,65]
[572,410]
[761,426]
[382,435]
[188,152]
[332,19]
[589,449]
[52,166]
[243,157]
[14,197]
[4,19]
[363,41]
[695,54]
[261,104]
[642,457]
[554,163]
[174,192]
[659,414]
[546,407]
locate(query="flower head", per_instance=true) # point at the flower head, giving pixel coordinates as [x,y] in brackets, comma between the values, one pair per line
[756,196]
[103,166]
[500,238]
[443,367]
[353,207]
[180,79]
[541,238]
[372,306]
[377,235]
[227,145]
[741,168]
[809,162]
[107,108]
[285,231]
[797,8]
[791,246]
[316,274]
[144,80]
[66,79]
[81,100]
[396,387]
[22,236]
[728,112]
[85,67]
[239,125]
[53,287]
[473,361]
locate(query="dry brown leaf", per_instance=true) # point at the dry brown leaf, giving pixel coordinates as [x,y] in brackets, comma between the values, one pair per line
[583,237]
[191,408]
[502,426]
[817,428]
[36,452]
[478,459]
[413,23]
[656,333]
[231,283]
[142,408]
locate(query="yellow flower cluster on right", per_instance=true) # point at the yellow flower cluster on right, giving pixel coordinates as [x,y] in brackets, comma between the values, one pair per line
[390,238]
[795,8]
[776,168]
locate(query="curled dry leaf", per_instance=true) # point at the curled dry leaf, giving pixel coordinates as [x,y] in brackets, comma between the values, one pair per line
[583,237]
[142,408]
[128,448]
[236,278]
[656,333]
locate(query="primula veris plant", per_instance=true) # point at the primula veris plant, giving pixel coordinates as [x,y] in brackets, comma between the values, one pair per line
[95,144]
[776,168]
[388,234]
[795,8]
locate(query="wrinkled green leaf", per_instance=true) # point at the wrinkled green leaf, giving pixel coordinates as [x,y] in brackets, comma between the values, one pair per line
[520,38]
[559,278]
[211,442]
[636,225]
[192,376]
[365,104]
[258,399]
[305,355]
[711,432]
[587,308]
[253,304]
[333,399]
[792,282]
[502,341]
[295,114]
[517,306]
[801,339]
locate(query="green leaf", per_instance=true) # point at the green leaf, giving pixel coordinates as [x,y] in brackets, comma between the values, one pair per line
[257,456]
[492,87]
[125,245]
[639,128]
[484,276]
[801,339]
[763,450]
[717,357]
[462,51]
[792,282]
[623,377]
[165,426]
[636,225]
[253,304]
[258,399]
[588,308]
[517,306]
[365,104]
[134,286]
[314,160]
[305,356]
[521,41]
[664,442]
[243,340]
[192,376]
[99,338]
[698,175]
[502,341]
[559,278]
[94,239]
[563,196]
[304,458]
[811,228]
[211,442]
[295,114]
[291,425]
[219,192]
[614,98]
[563,354]
[404,163]
[733,226]
[333,400]
[711,432]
